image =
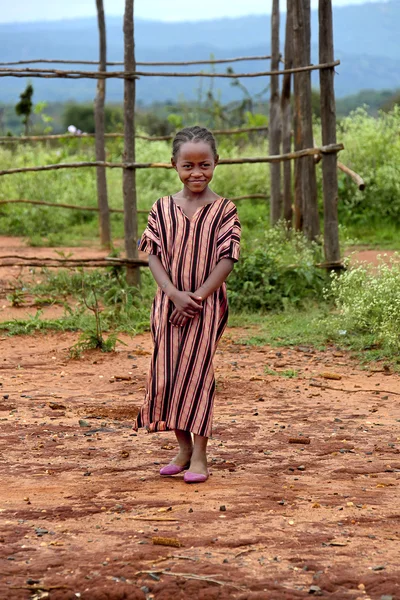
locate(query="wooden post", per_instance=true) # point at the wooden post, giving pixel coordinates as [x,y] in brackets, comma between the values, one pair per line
[286,111]
[298,132]
[328,124]
[129,175]
[275,124]
[305,184]
[102,199]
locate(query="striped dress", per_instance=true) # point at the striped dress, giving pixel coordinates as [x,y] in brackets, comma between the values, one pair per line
[181,385]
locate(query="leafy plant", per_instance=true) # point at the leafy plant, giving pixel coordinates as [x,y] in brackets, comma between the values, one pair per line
[368,303]
[92,337]
[277,269]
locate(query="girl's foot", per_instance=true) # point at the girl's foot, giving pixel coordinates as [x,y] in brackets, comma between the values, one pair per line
[183,457]
[199,465]
[179,463]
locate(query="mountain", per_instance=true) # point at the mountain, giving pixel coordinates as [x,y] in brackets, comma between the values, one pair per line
[367,41]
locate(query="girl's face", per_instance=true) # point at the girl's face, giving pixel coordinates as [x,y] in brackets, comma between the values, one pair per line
[195,164]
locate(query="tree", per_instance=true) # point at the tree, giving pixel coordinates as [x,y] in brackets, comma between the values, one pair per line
[25,106]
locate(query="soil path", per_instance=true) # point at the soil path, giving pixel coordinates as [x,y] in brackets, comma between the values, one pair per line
[82,504]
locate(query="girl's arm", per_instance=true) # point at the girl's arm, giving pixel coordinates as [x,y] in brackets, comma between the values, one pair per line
[187,304]
[212,283]
[216,278]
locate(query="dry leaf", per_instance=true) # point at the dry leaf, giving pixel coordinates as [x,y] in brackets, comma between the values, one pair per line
[164,541]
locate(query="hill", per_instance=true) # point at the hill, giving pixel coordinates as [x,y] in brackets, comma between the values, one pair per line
[366,41]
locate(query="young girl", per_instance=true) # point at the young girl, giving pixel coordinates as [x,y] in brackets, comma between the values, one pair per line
[192,238]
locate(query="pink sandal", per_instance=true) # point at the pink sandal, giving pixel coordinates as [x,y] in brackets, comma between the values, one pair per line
[172,469]
[190,477]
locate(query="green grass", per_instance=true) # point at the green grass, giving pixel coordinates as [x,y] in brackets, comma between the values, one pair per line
[379,236]
[289,328]
[315,326]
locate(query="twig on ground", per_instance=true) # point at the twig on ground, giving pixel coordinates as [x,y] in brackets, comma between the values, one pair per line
[329,387]
[170,519]
[192,576]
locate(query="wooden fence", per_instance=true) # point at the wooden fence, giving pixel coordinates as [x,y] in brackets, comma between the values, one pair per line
[297,65]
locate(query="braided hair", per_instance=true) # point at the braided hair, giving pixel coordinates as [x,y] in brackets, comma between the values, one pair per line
[193,134]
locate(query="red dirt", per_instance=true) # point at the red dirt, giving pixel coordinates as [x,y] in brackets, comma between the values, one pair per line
[80,505]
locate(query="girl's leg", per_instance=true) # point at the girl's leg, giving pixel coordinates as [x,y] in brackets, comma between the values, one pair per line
[198,463]
[185,447]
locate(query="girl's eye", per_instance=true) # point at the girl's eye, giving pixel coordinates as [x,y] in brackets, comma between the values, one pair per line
[206,165]
[186,166]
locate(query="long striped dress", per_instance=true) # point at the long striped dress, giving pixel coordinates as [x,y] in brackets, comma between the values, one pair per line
[181,385]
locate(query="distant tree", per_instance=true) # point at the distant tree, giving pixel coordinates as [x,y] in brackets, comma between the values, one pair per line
[81,115]
[316,103]
[391,102]
[25,106]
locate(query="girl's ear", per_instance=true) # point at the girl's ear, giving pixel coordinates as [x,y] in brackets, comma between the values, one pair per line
[216,160]
[173,163]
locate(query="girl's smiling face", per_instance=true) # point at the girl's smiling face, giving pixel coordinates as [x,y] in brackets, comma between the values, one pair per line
[195,164]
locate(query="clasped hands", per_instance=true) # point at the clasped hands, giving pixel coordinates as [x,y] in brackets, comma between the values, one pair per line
[187,306]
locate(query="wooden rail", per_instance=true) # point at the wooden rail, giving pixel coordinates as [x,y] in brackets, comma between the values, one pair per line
[56,73]
[112,210]
[142,64]
[329,149]
[159,138]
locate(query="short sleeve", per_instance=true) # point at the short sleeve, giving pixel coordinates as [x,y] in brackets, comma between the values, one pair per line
[228,241]
[150,240]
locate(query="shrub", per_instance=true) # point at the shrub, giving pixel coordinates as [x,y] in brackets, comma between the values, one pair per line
[276,269]
[369,302]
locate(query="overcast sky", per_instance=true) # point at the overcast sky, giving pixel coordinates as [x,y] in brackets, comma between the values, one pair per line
[165,10]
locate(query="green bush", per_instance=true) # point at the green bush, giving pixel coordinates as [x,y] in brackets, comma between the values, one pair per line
[368,302]
[372,149]
[276,270]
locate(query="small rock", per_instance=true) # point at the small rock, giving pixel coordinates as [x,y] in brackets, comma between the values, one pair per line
[301,468]
[190,510]
[6,396]
[378,568]
[315,589]
[57,406]
[387,597]
[83,423]
[31,581]
[222,508]
[328,375]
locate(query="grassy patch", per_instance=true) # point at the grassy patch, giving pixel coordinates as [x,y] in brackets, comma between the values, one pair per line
[290,328]
[288,373]
[316,326]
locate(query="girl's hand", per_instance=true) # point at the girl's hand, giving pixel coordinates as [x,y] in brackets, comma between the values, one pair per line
[177,319]
[186,303]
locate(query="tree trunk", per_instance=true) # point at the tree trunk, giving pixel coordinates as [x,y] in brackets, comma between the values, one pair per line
[129,175]
[328,125]
[102,198]
[286,111]
[275,123]
[306,185]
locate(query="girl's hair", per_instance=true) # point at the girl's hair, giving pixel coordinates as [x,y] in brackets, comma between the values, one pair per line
[193,134]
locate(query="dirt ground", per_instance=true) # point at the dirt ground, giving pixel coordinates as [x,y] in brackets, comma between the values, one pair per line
[83,509]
